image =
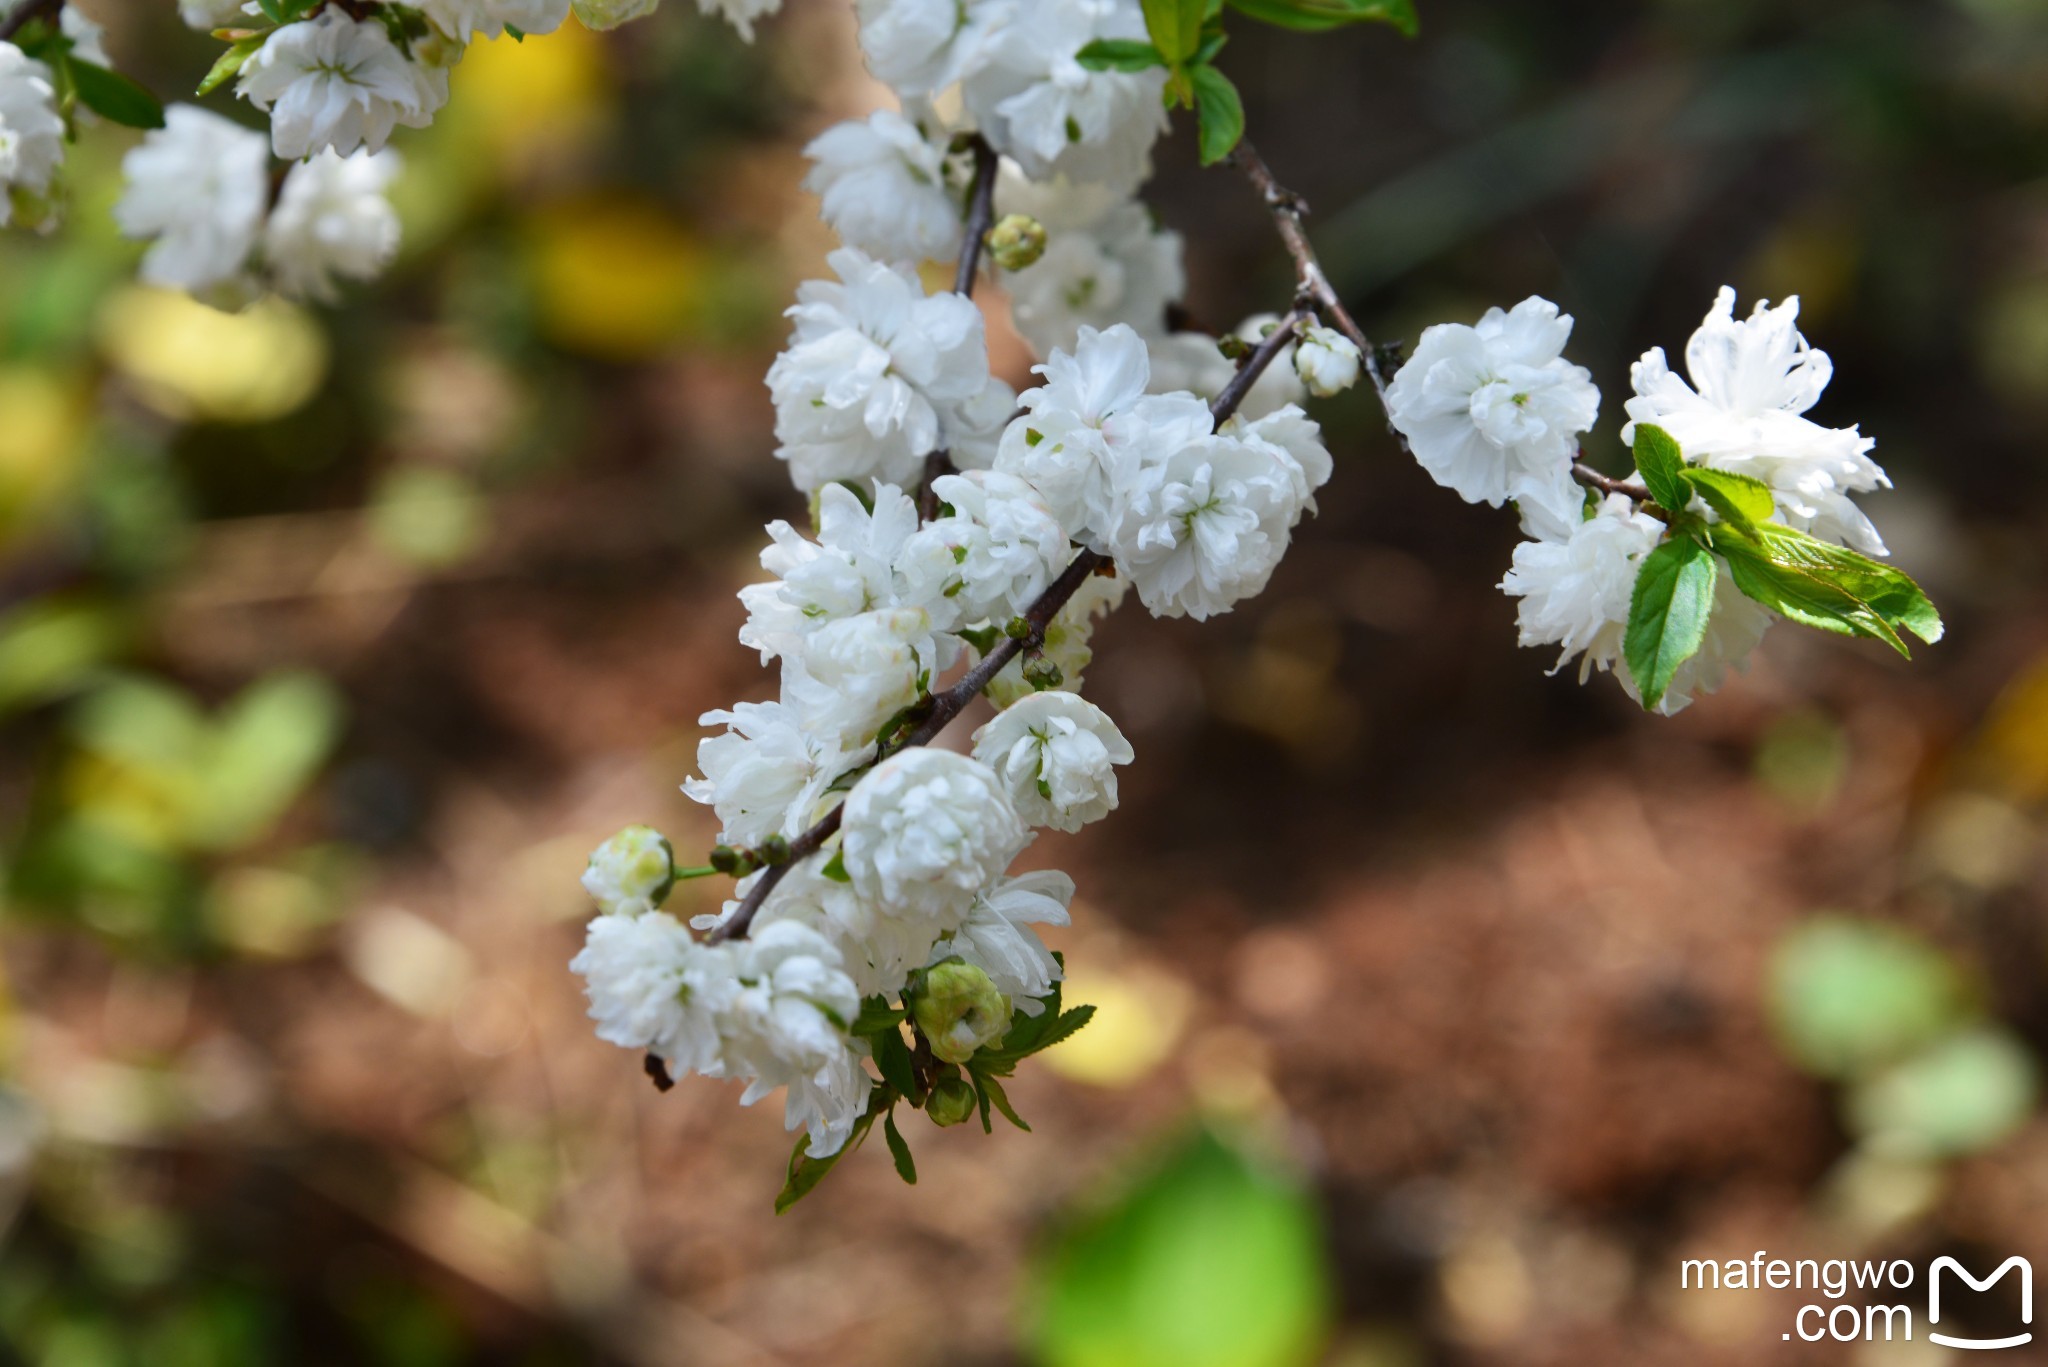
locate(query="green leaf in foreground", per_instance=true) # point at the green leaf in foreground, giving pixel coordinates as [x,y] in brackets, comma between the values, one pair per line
[1316,16]
[114,97]
[1118,54]
[906,1167]
[1667,614]
[1735,498]
[230,63]
[1221,112]
[1662,466]
[1825,586]
[1175,27]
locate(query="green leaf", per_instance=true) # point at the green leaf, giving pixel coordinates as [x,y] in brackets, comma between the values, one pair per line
[272,10]
[1849,998]
[892,1056]
[1662,466]
[230,63]
[1316,16]
[993,1090]
[1175,27]
[1667,613]
[1065,1027]
[1221,112]
[805,1172]
[114,97]
[1213,40]
[906,1167]
[835,868]
[1119,54]
[1736,498]
[876,1015]
[1204,1258]
[1826,586]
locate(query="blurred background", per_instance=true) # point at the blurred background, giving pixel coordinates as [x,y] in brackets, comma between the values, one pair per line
[1445,1006]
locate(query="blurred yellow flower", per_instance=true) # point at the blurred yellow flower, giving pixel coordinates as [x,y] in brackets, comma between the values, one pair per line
[190,361]
[38,441]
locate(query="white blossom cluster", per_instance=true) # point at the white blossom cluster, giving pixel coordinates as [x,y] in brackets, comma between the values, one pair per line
[885,391]
[1494,412]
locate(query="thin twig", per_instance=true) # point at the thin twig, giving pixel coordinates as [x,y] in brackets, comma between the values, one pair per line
[1593,479]
[936,464]
[1255,364]
[981,214]
[1287,209]
[30,10]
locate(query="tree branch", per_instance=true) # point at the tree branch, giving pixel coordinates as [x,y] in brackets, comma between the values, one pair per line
[29,10]
[1593,479]
[981,214]
[1287,209]
[1255,365]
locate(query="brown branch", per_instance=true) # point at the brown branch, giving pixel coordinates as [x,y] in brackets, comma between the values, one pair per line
[981,214]
[1593,479]
[936,464]
[1255,365]
[29,11]
[1288,209]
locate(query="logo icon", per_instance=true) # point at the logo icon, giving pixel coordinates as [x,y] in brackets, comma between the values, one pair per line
[2026,1300]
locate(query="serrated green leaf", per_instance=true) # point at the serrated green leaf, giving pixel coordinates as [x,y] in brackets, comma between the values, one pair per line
[1065,1027]
[1802,594]
[1000,1099]
[1221,112]
[1736,498]
[1119,54]
[1662,466]
[114,97]
[1829,587]
[230,63]
[906,1167]
[1317,16]
[1667,614]
[1891,593]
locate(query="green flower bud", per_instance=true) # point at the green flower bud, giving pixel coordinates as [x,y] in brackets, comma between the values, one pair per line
[632,872]
[725,859]
[1042,673]
[951,1101]
[959,1010]
[1016,241]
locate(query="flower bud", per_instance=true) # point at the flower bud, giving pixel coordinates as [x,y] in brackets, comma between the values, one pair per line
[632,872]
[726,859]
[1326,360]
[959,1010]
[1016,241]
[951,1101]
[1042,673]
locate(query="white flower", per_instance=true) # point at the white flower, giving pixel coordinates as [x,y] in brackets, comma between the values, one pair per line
[1084,432]
[927,829]
[1205,525]
[631,873]
[765,775]
[1037,103]
[88,38]
[1575,595]
[998,549]
[848,570]
[741,14]
[1055,753]
[208,15]
[920,47]
[1327,361]
[1755,379]
[974,426]
[879,944]
[1487,408]
[854,674]
[997,938]
[332,218]
[340,83]
[1295,440]
[1105,262]
[651,986]
[856,392]
[198,185]
[1575,591]
[884,188]
[465,20]
[31,134]
[1067,640]
[786,1026]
